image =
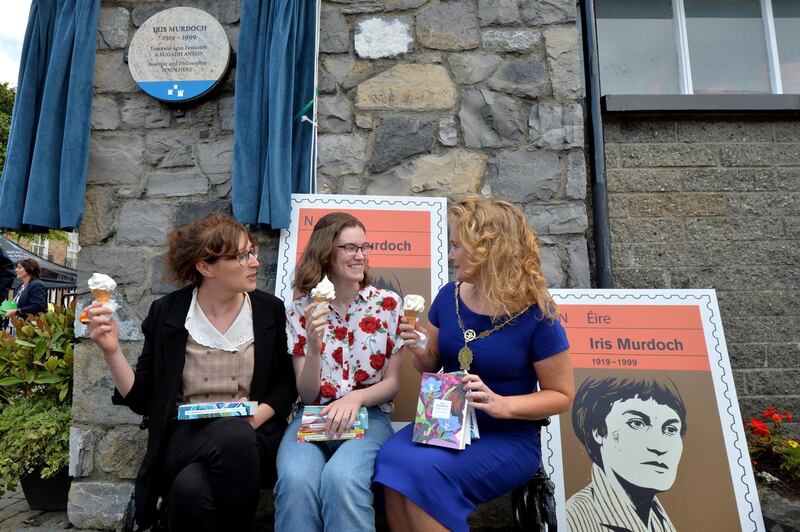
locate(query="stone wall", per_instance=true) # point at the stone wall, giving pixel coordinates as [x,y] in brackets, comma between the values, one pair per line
[714,202]
[421,97]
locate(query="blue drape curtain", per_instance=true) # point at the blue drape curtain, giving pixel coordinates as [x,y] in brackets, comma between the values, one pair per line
[44,177]
[274,82]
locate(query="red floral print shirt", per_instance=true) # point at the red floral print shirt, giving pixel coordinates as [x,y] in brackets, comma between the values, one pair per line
[356,347]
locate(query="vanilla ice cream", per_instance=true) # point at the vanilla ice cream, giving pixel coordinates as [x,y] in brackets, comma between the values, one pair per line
[324,291]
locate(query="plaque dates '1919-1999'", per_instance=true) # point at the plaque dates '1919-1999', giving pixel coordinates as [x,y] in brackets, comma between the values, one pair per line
[179,54]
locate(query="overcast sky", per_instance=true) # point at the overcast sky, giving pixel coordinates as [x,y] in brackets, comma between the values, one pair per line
[13,21]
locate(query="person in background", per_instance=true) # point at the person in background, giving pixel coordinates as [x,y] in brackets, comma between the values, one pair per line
[31,295]
[217,339]
[347,354]
[497,322]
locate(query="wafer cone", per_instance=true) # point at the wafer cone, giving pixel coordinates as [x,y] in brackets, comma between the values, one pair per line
[83,317]
[102,296]
[320,299]
[411,316]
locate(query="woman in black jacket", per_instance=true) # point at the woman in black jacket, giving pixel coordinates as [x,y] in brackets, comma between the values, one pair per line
[31,295]
[218,339]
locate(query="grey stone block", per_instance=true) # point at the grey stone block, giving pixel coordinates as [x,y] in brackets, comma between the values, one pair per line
[472,67]
[558,219]
[334,35]
[650,155]
[347,70]
[576,175]
[127,266]
[188,212]
[142,111]
[115,159]
[216,159]
[364,121]
[578,260]
[448,26]
[105,113]
[204,114]
[726,131]
[143,223]
[91,399]
[97,223]
[524,41]
[341,154]
[647,179]
[735,229]
[98,505]
[169,149]
[760,154]
[672,205]
[185,183]
[773,382]
[543,12]
[551,267]
[556,126]
[397,5]
[764,204]
[159,281]
[735,179]
[448,132]
[113,28]
[783,355]
[81,447]
[121,451]
[111,74]
[498,12]
[334,114]
[648,230]
[325,84]
[632,130]
[383,37]
[563,60]
[747,356]
[398,138]
[524,76]
[490,120]
[362,7]
[226,119]
[524,176]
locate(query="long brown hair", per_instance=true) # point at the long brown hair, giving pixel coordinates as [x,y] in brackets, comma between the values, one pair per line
[208,239]
[502,250]
[315,262]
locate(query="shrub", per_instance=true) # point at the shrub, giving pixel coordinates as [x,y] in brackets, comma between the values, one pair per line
[38,360]
[35,436]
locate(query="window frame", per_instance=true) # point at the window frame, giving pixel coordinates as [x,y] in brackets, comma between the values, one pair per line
[685,83]
[40,243]
[72,251]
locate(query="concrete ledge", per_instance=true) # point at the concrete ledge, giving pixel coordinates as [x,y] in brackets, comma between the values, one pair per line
[649,103]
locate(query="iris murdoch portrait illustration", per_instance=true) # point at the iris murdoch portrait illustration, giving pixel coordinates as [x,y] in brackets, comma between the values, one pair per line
[633,430]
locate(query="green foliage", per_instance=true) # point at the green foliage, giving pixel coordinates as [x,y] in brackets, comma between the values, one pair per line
[35,436]
[768,442]
[7,94]
[38,361]
[52,235]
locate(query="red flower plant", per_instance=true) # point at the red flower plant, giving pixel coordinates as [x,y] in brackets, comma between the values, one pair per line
[303,322]
[389,303]
[759,428]
[361,376]
[370,324]
[351,339]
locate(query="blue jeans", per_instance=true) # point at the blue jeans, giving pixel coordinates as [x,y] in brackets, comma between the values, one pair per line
[327,485]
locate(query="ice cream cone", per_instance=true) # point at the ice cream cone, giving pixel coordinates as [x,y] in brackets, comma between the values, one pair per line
[83,317]
[411,316]
[320,299]
[102,296]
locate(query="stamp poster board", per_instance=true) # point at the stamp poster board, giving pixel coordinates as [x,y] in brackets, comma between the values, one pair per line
[669,336]
[410,255]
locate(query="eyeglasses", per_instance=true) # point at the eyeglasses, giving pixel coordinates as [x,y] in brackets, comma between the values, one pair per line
[352,249]
[243,257]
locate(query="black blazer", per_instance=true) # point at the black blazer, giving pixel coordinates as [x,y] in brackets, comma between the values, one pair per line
[159,373]
[33,299]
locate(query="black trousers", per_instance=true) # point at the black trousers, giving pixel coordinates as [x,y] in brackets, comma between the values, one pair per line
[214,469]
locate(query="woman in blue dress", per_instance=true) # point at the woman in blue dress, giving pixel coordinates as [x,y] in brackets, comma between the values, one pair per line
[499,323]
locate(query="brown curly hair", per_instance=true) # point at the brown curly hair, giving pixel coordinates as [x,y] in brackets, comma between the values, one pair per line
[208,239]
[502,251]
[321,247]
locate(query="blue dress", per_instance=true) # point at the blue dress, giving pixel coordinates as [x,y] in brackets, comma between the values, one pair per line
[447,483]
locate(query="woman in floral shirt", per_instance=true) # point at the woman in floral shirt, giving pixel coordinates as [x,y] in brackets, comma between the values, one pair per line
[345,355]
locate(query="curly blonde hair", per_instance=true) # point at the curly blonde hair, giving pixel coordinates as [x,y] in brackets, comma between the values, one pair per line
[502,251]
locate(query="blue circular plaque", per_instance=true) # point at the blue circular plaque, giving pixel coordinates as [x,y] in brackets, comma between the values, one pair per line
[179,54]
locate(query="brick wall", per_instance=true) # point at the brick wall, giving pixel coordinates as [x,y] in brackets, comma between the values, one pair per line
[714,202]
